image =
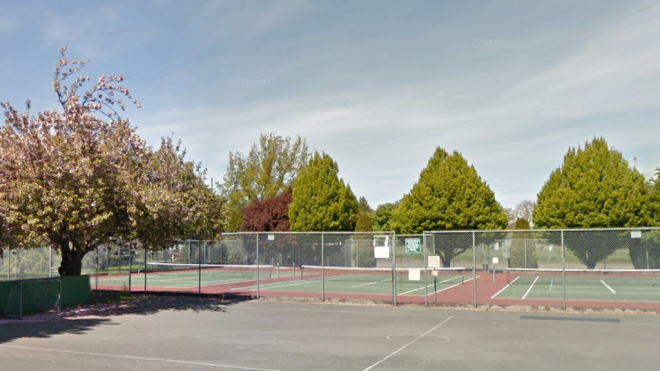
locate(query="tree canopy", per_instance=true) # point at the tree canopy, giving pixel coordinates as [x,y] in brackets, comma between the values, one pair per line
[449,195]
[381,217]
[594,187]
[74,180]
[268,215]
[270,167]
[321,200]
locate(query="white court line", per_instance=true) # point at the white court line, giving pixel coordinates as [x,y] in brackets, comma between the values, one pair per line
[369,283]
[606,285]
[505,287]
[405,346]
[530,288]
[207,283]
[431,285]
[141,358]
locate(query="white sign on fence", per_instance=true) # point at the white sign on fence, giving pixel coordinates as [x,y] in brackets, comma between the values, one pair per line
[433,261]
[382,252]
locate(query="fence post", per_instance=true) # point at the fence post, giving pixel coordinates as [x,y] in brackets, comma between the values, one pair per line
[199,263]
[426,265]
[322,266]
[145,270]
[474,267]
[96,258]
[394,298]
[258,288]
[130,268]
[563,264]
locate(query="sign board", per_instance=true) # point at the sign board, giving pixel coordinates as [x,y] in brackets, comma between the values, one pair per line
[415,275]
[413,245]
[635,234]
[496,260]
[271,237]
[433,261]
[381,252]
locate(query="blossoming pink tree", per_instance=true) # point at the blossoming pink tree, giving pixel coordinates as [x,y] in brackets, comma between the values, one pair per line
[78,177]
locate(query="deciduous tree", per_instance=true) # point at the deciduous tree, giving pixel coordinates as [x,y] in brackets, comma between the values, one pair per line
[268,215]
[270,167]
[76,180]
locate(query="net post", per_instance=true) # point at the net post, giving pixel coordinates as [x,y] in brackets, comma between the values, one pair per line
[258,286]
[426,265]
[563,264]
[474,267]
[435,288]
[322,266]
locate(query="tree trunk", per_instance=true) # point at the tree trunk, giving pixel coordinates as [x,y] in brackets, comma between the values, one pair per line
[591,264]
[71,261]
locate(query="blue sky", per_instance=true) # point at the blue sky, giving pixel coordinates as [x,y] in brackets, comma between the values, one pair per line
[377,85]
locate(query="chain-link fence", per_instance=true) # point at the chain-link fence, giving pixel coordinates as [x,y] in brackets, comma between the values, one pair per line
[588,268]
[597,268]
[22,264]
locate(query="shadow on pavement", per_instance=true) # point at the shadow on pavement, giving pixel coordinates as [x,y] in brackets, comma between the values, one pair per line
[80,320]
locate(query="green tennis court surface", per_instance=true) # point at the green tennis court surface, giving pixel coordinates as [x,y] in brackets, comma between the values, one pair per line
[338,280]
[311,279]
[597,285]
[166,275]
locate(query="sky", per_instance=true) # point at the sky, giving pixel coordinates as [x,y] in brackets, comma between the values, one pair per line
[378,85]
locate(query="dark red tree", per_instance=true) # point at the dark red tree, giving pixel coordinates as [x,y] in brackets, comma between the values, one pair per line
[268,215]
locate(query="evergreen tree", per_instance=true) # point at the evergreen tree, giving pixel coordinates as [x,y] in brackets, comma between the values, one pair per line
[321,200]
[449,195]
[594,188]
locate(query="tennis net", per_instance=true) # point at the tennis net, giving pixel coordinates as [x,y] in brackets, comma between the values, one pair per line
[622,277]
[214,270]
[357,274]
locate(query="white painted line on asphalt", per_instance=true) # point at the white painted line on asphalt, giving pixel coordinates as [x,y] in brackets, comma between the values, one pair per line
[405,346]
[140,358]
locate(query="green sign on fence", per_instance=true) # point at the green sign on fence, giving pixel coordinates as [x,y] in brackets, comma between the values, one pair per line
[413,245]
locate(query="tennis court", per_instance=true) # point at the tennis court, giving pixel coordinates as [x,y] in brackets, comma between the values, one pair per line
[188,333]
[305,281]
[588,285]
